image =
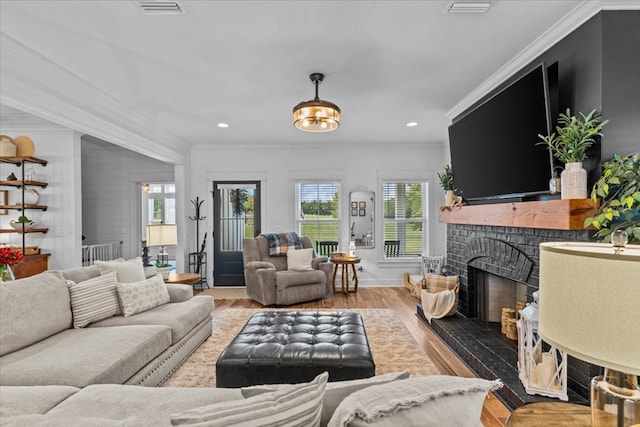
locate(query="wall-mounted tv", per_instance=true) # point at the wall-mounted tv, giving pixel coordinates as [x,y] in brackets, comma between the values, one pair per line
[493,147]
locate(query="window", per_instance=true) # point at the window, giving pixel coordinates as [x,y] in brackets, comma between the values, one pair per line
[405,224]
[318,210]
[161,204]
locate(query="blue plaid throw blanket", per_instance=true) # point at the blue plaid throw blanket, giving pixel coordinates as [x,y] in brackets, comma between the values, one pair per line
[280,243]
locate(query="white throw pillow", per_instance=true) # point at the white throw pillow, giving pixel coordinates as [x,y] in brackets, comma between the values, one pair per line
[291,405]
[127,271]
[94,299]
[299,259]
[436,400]
[335,392]
[142,296]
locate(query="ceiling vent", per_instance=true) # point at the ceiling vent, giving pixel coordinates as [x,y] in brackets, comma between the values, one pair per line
[468,6]
[158,7]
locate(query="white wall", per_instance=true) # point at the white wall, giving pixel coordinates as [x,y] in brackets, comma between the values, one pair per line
[357,168]
[61,148]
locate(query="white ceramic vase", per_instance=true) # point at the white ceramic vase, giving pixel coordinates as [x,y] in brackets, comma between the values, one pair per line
[574,181]
[31,196]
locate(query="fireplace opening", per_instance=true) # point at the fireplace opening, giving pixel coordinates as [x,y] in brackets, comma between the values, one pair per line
[493,293]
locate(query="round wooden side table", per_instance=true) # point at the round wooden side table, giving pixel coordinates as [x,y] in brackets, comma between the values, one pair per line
[344,262]
[554,414]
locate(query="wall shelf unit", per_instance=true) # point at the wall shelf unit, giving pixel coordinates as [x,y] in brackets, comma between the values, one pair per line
[33,263]
[561,214]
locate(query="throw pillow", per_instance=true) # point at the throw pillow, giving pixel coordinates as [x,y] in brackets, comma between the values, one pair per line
[335,392]
[436,400]
[127,271]
[142,296]
[299,259]
[292,405]
[94,299]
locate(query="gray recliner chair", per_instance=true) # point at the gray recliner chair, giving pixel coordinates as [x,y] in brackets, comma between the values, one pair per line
[270,283]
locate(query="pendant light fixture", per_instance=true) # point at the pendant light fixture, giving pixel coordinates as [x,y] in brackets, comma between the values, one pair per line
[316,115]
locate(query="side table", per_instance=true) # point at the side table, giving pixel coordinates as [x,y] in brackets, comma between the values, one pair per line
[555,414]
[344,262]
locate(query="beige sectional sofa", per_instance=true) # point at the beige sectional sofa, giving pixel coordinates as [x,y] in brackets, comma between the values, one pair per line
[40,346]
[386,400]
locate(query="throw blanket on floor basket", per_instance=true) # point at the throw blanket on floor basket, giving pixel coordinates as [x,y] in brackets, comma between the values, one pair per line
[281,243]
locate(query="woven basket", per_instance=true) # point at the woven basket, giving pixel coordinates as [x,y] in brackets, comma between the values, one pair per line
[512,329]
[507,313]
[26,147]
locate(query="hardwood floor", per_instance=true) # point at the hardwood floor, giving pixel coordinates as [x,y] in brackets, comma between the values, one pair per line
[494,413]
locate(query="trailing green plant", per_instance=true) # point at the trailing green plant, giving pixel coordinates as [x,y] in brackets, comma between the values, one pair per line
[618,191]
[573,136]
[446,178]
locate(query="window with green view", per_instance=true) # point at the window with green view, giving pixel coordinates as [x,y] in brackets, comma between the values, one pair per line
[404,205]
[318,210]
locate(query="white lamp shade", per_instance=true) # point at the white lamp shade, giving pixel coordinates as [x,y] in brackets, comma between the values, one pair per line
[162,235]
[590,302]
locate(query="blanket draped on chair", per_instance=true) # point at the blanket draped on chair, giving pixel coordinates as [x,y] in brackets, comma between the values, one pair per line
[281,243]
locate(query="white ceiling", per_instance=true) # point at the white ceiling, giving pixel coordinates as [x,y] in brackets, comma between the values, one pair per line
[171,79]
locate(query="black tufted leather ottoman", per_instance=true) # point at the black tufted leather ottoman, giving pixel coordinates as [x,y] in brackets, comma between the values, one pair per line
[295,346]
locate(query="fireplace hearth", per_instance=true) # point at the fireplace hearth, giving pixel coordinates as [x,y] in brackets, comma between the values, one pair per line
[475,251]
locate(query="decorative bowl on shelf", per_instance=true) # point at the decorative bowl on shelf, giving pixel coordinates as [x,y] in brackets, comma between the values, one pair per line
[18,225]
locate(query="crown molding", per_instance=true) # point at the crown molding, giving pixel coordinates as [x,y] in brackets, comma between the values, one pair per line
[37,85]
[565,26]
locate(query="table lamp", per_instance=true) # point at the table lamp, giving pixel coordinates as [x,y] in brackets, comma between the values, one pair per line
[162,235]
[589,307]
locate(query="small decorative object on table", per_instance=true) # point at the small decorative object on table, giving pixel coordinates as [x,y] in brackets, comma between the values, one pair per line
[8,257]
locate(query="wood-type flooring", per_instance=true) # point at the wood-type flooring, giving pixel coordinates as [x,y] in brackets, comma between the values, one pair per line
[399,299]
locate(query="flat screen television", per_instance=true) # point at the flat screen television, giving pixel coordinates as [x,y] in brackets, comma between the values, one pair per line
[493,147]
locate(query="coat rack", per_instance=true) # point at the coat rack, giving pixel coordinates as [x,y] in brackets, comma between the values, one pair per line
[197,218]
[198,259]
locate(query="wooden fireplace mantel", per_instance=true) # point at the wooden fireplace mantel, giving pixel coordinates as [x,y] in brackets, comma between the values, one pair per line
[566,214]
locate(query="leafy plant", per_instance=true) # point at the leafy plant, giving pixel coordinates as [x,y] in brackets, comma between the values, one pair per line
[573,136]
[23,219]
[446,178]
[618,191]
[160,264]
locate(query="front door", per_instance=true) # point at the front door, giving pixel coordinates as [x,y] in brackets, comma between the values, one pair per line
[236,207]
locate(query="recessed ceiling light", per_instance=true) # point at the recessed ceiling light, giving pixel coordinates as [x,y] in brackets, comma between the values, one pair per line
[223,125]
[411,124]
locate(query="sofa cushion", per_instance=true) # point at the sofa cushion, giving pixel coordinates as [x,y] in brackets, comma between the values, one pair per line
[141,296]
[81,274]
[127,271]
[79,357]
[94,299]
[47,420]
[294,405]
[24,400]
[436,401]
[335,392]
[181,317]
[119,402]
[33,309]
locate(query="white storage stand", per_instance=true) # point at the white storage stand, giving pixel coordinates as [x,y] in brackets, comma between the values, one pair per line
[541,372]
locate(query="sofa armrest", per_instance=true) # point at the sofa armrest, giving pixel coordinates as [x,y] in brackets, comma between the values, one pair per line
[179,293]
[255,265]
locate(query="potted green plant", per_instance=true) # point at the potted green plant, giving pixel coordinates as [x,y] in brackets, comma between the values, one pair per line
[569,144]
[446,182]
[163,268]
[618,191]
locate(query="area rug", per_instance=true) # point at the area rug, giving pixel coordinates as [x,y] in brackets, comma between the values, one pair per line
[392,346]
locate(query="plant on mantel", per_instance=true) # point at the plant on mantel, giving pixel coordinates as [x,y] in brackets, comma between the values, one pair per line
[573,136]
[618,191]
[446,178]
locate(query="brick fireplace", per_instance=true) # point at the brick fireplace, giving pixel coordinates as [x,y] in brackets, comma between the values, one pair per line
[502,242]
[511,253]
